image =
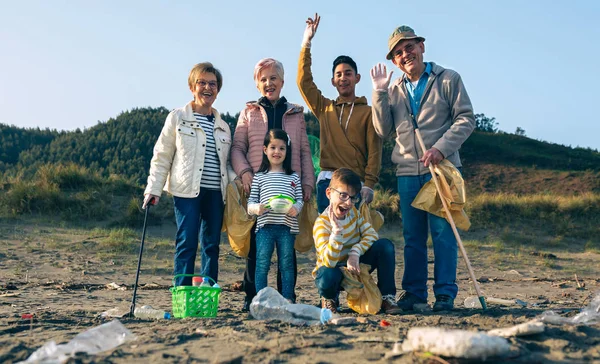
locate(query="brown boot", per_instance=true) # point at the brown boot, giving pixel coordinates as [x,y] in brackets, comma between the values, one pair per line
[389,306]
[329,303]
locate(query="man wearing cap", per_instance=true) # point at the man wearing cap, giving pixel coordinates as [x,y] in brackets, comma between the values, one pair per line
[433,99]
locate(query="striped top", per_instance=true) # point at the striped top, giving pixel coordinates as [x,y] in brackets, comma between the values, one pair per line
[211,172]
[356,237]
[271,184]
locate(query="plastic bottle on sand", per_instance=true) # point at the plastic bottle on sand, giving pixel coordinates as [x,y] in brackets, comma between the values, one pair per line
[147,312]
[472,302]
[270,305]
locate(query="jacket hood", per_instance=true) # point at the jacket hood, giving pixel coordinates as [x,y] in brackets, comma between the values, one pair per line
[358,101]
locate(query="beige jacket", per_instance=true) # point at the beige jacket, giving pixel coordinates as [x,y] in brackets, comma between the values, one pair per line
[179,153]
[445,120]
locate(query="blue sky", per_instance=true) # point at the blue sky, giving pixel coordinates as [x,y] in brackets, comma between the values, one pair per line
[70,64]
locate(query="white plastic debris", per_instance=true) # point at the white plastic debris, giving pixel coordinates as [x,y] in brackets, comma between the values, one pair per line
[455,343]
[528,328]
[95,340]
[588,316]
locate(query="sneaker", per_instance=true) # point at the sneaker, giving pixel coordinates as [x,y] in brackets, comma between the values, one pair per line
[329,303]
[443,303]
[408,300]
[389,306]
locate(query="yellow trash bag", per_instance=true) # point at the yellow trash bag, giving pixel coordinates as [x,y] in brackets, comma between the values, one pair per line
[453,191]
[363,293]
[306,221]
[374,217]
[236,220]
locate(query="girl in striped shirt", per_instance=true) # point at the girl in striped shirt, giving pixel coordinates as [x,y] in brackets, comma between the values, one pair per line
[275,228]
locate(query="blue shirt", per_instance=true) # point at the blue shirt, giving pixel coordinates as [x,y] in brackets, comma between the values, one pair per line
[416,93]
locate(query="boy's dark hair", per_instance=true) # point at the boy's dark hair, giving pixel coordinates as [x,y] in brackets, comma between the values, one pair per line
[345,176]
[287,162]
[344,59]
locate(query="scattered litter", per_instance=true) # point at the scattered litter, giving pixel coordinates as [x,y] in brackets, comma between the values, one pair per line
[473,302]
[343,321]
[528,328]
[268,304]
[114,312]
[512,271]
[588,316]
[27,316]
[454,343]
[385,323]
[95,340]
[9,295]
[113,285]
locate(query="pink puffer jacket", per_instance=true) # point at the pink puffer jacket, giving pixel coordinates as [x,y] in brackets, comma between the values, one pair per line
[249,136]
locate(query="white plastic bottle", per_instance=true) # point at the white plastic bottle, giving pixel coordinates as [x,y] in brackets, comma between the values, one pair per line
[147,312]
[472,302]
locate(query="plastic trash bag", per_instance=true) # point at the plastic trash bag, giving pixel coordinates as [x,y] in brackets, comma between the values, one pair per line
[306,221]
[268,304]
[455,343]
[236,220]
[365,299]
[588,316]
[453,192]
[95,340]
[374,217]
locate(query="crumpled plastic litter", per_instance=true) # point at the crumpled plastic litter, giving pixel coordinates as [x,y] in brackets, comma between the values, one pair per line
[95,340]
[268,304]
[588,316]
[454,343]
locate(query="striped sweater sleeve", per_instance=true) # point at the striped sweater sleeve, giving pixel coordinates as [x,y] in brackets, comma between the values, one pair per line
[329,245]
[368,235]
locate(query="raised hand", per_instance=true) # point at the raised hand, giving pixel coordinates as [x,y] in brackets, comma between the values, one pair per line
[335,225]
[311,29]
[380,78]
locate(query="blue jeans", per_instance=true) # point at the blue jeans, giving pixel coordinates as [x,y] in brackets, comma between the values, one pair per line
[198,218]
[267,238]
[415,232]
[322,200]
[381,256]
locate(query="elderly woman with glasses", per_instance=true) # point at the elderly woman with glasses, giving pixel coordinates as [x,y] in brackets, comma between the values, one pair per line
[191,162]
[271,111]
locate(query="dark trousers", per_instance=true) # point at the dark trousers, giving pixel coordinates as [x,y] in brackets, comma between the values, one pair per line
[381,256]
[250,273]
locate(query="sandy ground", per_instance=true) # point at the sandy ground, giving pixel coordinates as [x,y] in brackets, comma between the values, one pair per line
[66,291]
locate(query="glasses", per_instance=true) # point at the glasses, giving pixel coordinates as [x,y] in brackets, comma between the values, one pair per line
[407,49]
[211,84]
[345,197]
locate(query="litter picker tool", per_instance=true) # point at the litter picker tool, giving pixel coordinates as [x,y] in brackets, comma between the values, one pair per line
[449,217]
[137,272]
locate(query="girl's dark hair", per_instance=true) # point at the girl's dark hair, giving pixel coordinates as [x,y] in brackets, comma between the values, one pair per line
[287,162]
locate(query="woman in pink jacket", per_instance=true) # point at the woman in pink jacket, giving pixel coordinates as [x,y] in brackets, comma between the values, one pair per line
[271,111]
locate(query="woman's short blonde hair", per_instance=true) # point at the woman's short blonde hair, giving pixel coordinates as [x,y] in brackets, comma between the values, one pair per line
[204,67]
[266,63]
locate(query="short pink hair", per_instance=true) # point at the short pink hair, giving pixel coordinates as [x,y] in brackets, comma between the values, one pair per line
[266,63]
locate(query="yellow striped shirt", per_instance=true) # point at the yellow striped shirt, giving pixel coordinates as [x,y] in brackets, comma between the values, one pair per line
[356,235]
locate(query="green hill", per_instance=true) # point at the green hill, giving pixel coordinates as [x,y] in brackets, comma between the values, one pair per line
[122,146]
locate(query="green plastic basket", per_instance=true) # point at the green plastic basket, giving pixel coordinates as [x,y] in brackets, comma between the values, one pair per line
[190,301]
